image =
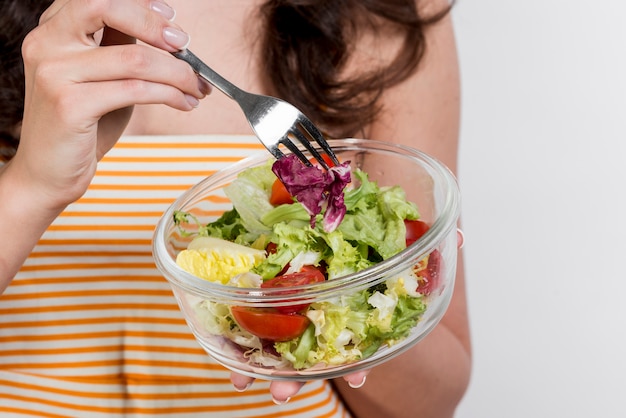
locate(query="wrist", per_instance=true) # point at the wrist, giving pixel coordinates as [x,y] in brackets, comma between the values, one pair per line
[46,188]
[24,217]
[25,201]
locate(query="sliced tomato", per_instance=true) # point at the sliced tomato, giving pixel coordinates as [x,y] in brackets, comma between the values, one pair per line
[320,269]
[279,194]
[268,324]
[308,275]
[414,230]
[326,159]
[430,277]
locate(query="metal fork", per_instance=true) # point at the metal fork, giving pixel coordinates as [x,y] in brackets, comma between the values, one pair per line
[273,120]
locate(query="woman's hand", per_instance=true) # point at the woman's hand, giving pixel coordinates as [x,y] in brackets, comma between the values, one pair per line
[79,98]
[282,391]
[80,92]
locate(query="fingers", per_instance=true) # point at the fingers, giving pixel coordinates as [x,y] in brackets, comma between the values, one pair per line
[132,62]
[128,73]
[147,20]
[112,36]
[356,380]
[79,94]
[118,76]
[163,9]
[112,95]
[52,10]
[460,239]
[241,382]
[282,391]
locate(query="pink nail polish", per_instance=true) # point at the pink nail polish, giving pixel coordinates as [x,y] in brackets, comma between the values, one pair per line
[357,385]
[244,388]
[163,9]
[204,86]
[192,101]
[176,38]
[277,402]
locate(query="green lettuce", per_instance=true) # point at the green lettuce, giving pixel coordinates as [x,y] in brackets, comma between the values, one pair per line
[345,328]
[375,216]
[353,327]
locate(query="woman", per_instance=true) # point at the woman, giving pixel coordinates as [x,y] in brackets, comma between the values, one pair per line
[376,69]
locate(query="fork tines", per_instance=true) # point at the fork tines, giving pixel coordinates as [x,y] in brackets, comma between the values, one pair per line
[305,132]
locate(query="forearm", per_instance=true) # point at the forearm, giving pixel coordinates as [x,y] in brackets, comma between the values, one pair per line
[64,131]
[23,219]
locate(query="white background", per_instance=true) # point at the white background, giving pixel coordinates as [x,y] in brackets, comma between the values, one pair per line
[543,164]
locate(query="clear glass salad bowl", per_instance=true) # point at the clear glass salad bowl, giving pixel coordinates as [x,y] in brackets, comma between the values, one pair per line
[427,183]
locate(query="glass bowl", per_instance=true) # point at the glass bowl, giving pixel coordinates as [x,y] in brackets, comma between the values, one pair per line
[427,183]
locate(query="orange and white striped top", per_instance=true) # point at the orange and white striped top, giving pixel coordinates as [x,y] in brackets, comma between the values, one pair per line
[89,328]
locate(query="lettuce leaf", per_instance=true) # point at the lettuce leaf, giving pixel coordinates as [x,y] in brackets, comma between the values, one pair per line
[375,216]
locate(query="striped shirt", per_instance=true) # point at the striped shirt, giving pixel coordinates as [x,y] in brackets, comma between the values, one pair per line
[89,328]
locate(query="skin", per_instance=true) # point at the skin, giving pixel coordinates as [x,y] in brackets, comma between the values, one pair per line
[65,132]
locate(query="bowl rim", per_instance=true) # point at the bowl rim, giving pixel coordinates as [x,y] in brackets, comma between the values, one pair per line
[441,227]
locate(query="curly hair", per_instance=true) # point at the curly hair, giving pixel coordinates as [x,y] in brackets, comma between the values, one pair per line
[305,40]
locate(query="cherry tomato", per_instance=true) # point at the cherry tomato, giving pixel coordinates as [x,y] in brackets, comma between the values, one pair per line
[268,324]
[414,230]
[279,194]
[308,275]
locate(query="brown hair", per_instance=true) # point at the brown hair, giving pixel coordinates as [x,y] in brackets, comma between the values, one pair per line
[311,41]
[305,40]
[17,19]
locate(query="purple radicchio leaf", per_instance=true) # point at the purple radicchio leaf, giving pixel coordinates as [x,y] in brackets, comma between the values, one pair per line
[315,188]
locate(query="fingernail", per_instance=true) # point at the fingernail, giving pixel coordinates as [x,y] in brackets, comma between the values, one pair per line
[163,9]
[243,389]
[357,385]
[176,38]
[204,86]
[277,402]
[192,100]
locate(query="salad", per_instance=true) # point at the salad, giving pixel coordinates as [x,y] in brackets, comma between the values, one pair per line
[291,225]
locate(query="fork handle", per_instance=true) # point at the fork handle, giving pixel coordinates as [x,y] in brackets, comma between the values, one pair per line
[208,73]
